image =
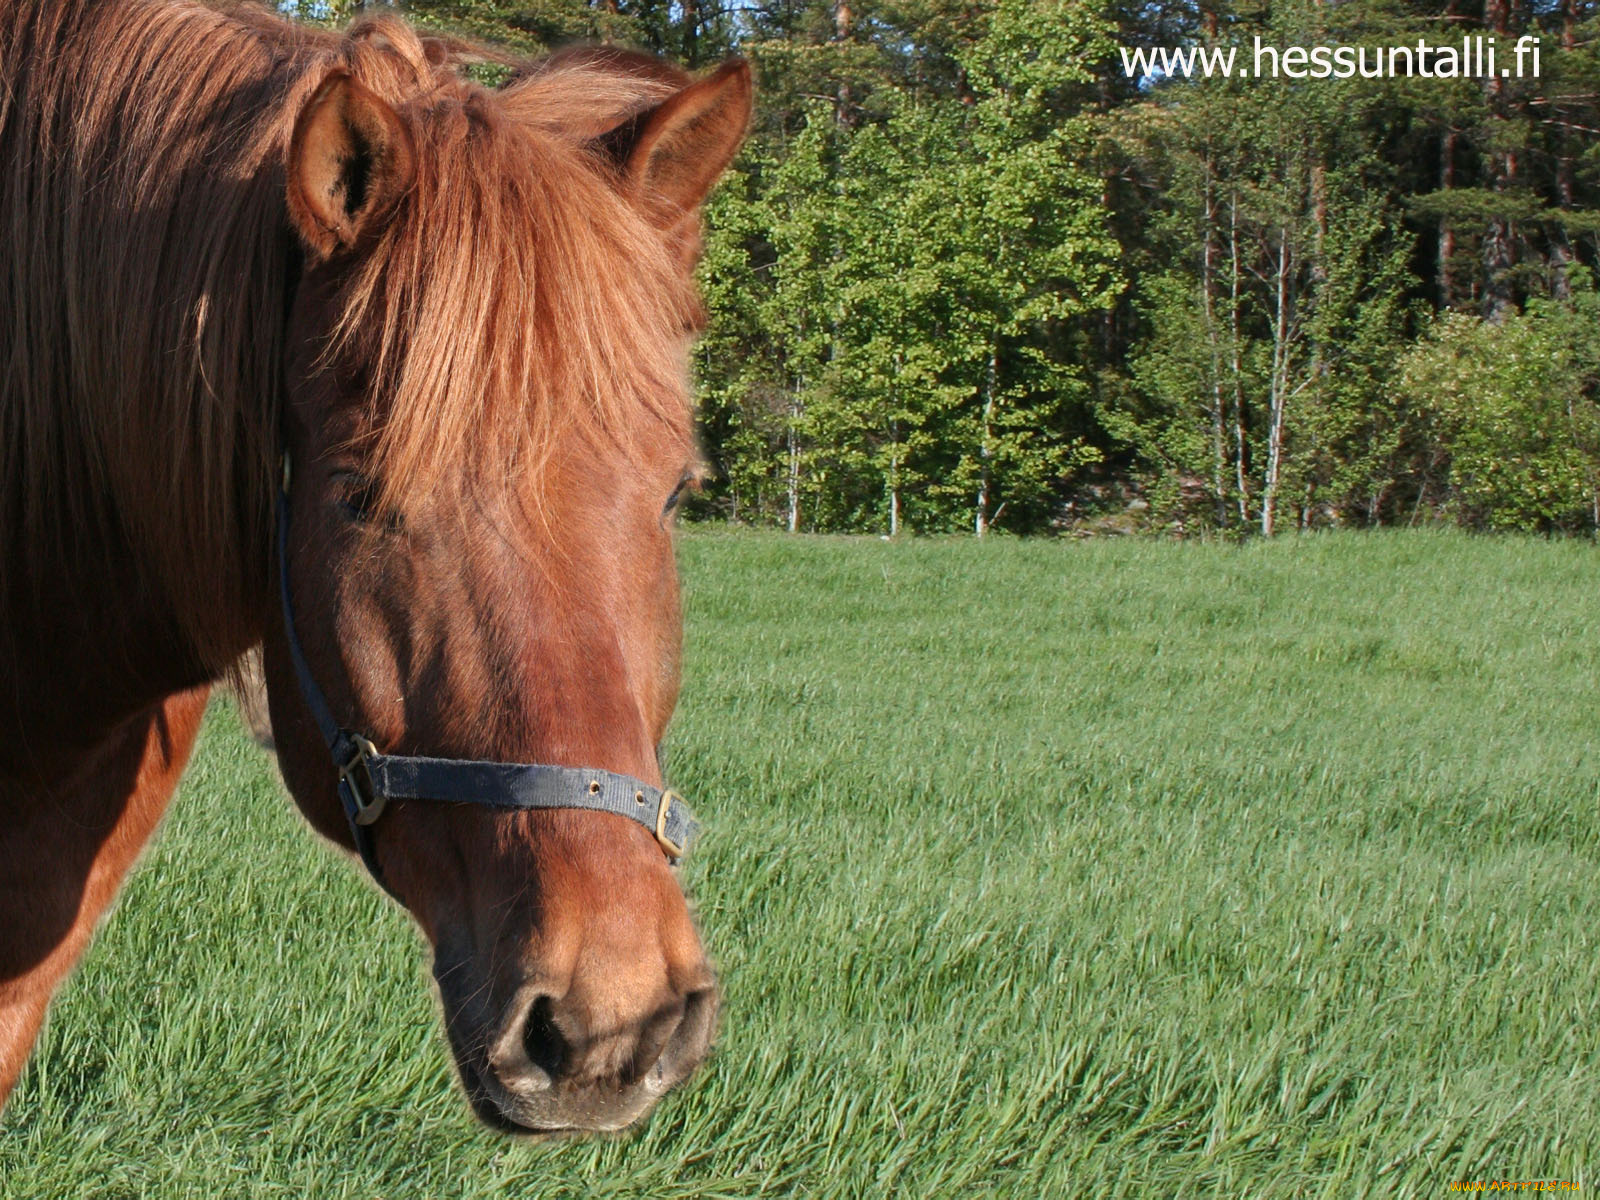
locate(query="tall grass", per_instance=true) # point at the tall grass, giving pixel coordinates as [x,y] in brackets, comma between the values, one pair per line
[1121,868]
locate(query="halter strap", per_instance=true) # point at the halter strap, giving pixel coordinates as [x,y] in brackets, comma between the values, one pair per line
[368,780]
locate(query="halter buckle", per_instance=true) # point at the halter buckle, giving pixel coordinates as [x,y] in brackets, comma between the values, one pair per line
[361,796]
[663,810]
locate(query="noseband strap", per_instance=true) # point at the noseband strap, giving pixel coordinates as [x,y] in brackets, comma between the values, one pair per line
[368,780]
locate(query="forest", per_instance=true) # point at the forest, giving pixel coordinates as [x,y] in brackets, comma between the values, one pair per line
[1005,266]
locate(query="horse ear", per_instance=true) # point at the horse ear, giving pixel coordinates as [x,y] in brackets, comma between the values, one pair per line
[350,159]
[672,154]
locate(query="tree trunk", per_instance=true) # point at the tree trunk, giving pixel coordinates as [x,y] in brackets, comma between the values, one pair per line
[980,521]
[894,478]
[1499,251]
[1241,432]
[691,32]
[1218,415]
[1447,235]
[1317,280]
[1446,249]
[1279,385]
[1562,255]
[794,463]
[844,98]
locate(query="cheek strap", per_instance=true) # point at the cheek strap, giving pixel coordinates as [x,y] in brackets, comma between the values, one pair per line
[368,780]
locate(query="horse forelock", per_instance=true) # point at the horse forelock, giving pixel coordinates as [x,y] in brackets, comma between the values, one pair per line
[145,270]
[516,295]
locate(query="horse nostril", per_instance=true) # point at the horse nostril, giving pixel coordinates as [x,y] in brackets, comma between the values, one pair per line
[546,1048]
[654,1036]
[688,1040]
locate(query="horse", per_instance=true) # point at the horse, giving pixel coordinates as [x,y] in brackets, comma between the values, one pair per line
[309,341]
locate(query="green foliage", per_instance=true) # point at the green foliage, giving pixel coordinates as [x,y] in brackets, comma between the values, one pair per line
[1514,406]
[968,273]
[1277,312]
[1288,892]
[1287,246]
[907,274]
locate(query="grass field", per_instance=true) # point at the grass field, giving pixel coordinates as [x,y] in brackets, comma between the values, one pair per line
[1108,869]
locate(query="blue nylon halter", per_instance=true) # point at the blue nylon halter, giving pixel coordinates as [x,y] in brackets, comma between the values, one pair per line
[368,780]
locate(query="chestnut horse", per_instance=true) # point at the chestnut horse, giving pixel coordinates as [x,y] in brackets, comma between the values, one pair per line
[463,316]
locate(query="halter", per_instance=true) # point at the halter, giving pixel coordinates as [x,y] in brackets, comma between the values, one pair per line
[368,780]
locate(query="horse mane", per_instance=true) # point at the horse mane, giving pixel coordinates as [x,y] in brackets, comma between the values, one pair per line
[146,268]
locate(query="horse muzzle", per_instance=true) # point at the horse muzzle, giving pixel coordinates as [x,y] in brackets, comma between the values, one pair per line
[587,1060]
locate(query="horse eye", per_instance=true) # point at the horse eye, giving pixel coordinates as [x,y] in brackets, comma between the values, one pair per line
[358,500]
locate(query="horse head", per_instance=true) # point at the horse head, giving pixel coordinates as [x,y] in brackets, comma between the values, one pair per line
[487,427]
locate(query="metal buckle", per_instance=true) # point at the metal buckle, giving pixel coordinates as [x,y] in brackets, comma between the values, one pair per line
[671,847]
[357,777]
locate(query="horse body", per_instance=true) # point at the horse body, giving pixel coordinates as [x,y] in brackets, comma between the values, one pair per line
[462,314]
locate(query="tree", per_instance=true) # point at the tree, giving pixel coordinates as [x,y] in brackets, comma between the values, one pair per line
[1513,403]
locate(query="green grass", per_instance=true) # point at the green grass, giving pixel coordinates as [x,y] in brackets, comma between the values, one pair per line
[1119,868]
